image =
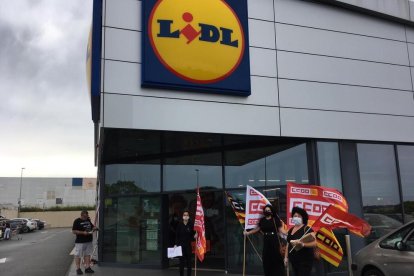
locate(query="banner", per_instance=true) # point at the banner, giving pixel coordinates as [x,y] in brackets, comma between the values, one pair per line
[255,202]
[329,247]
[199,227]
[313,199]
[238,208]
[334,217]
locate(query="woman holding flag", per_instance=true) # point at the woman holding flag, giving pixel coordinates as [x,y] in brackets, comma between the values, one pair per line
[270,227]
[300,248]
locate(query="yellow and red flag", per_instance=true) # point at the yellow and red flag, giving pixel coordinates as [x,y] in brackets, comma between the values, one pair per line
[329,247]
[333,218]
[238,208]
[199,227]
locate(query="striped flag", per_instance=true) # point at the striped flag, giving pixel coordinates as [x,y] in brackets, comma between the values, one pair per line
[199,227]
[238,208]
[329,248]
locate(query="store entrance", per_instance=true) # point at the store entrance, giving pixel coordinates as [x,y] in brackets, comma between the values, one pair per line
[212,201]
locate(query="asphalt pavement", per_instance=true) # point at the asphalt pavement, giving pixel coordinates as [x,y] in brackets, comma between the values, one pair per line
[39,253]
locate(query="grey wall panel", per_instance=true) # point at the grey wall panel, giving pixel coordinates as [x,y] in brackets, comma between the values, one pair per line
[410,34]
[261,34]
[263,62]
[125,78]
[310,95]
[411,10]
[411,53]
[260,9]
[396,8]
[135,112]
[342,71]
[334,18]
[345,125]
[122,45]
[123,14]
[315,41]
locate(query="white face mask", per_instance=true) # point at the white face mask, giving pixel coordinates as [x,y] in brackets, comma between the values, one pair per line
[186,217]
[297,220]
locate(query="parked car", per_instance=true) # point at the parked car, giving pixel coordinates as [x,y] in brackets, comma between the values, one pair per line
[40,223]
[27,224]
[390,255]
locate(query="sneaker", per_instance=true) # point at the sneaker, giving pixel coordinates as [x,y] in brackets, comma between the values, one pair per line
[79,271]
[89,270]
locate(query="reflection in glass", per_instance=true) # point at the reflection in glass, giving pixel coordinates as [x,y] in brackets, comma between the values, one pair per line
[127,179]
[329,165]
[180,172]
[406,162]
[379,186]
[131,230]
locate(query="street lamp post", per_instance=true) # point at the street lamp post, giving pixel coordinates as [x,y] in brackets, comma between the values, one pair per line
[20,193]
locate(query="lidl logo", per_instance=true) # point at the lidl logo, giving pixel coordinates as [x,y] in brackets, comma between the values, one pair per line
[196,45]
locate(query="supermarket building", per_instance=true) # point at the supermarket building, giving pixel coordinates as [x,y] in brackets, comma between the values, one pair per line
[225,94]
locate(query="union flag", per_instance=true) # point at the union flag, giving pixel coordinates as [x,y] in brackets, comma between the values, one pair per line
[237,207]
[329,247]
[199,227]
[333,218]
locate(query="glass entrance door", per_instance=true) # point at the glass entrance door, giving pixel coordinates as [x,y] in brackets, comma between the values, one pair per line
[214,223]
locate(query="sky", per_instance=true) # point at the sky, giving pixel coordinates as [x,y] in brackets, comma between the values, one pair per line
[45,113]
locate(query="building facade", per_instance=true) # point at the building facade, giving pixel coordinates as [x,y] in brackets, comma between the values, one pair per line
[331,103]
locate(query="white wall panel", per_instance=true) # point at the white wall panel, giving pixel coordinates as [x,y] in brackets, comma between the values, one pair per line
[122,45]
[261,34]
[260,9]
[125,78]
[135,112]
[344,125]
[123,14]
[303,94]
[308,40]
[334,18]
[410,34]
[342,71]
[263,62]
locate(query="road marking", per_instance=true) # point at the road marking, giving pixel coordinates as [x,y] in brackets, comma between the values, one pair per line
[44,232]
[2,261]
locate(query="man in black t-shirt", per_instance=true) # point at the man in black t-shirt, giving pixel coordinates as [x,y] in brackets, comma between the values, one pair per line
[83,229]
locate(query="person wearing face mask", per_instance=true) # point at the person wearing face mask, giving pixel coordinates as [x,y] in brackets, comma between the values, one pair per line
[302,256]
[184,235]
[270,225]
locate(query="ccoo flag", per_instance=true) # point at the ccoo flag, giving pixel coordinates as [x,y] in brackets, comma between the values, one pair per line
[329,247]
[237,208]
[333,218]
[199,227]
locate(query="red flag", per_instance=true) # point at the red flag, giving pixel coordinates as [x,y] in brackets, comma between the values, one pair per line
[333,217]
[199,227]
[314,199]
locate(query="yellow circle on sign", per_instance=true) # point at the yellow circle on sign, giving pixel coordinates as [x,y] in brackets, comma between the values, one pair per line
[199,41]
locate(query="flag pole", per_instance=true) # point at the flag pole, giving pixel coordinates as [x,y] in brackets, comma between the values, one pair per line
[195,259]
[244,256]
[349,254]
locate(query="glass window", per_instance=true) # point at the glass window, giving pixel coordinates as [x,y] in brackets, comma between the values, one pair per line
[127,179]
[379,186]
[410,241]
[329,165]
[185,172]
[131,230]
[406,162]
[398,236]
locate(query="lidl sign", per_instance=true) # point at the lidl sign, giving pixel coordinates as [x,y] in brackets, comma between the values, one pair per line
[199,45]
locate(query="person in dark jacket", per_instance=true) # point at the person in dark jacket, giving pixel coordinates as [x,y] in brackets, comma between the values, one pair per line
[271,227]
[302,256]
[184,236]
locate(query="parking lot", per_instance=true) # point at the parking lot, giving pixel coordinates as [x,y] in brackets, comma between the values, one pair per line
[41,252]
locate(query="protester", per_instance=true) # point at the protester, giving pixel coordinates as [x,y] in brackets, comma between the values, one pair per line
[83,229]
[7,231]
[301,257]
[184,235]
[271,227]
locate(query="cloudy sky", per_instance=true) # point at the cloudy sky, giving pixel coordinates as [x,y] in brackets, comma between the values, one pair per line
[45,114]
